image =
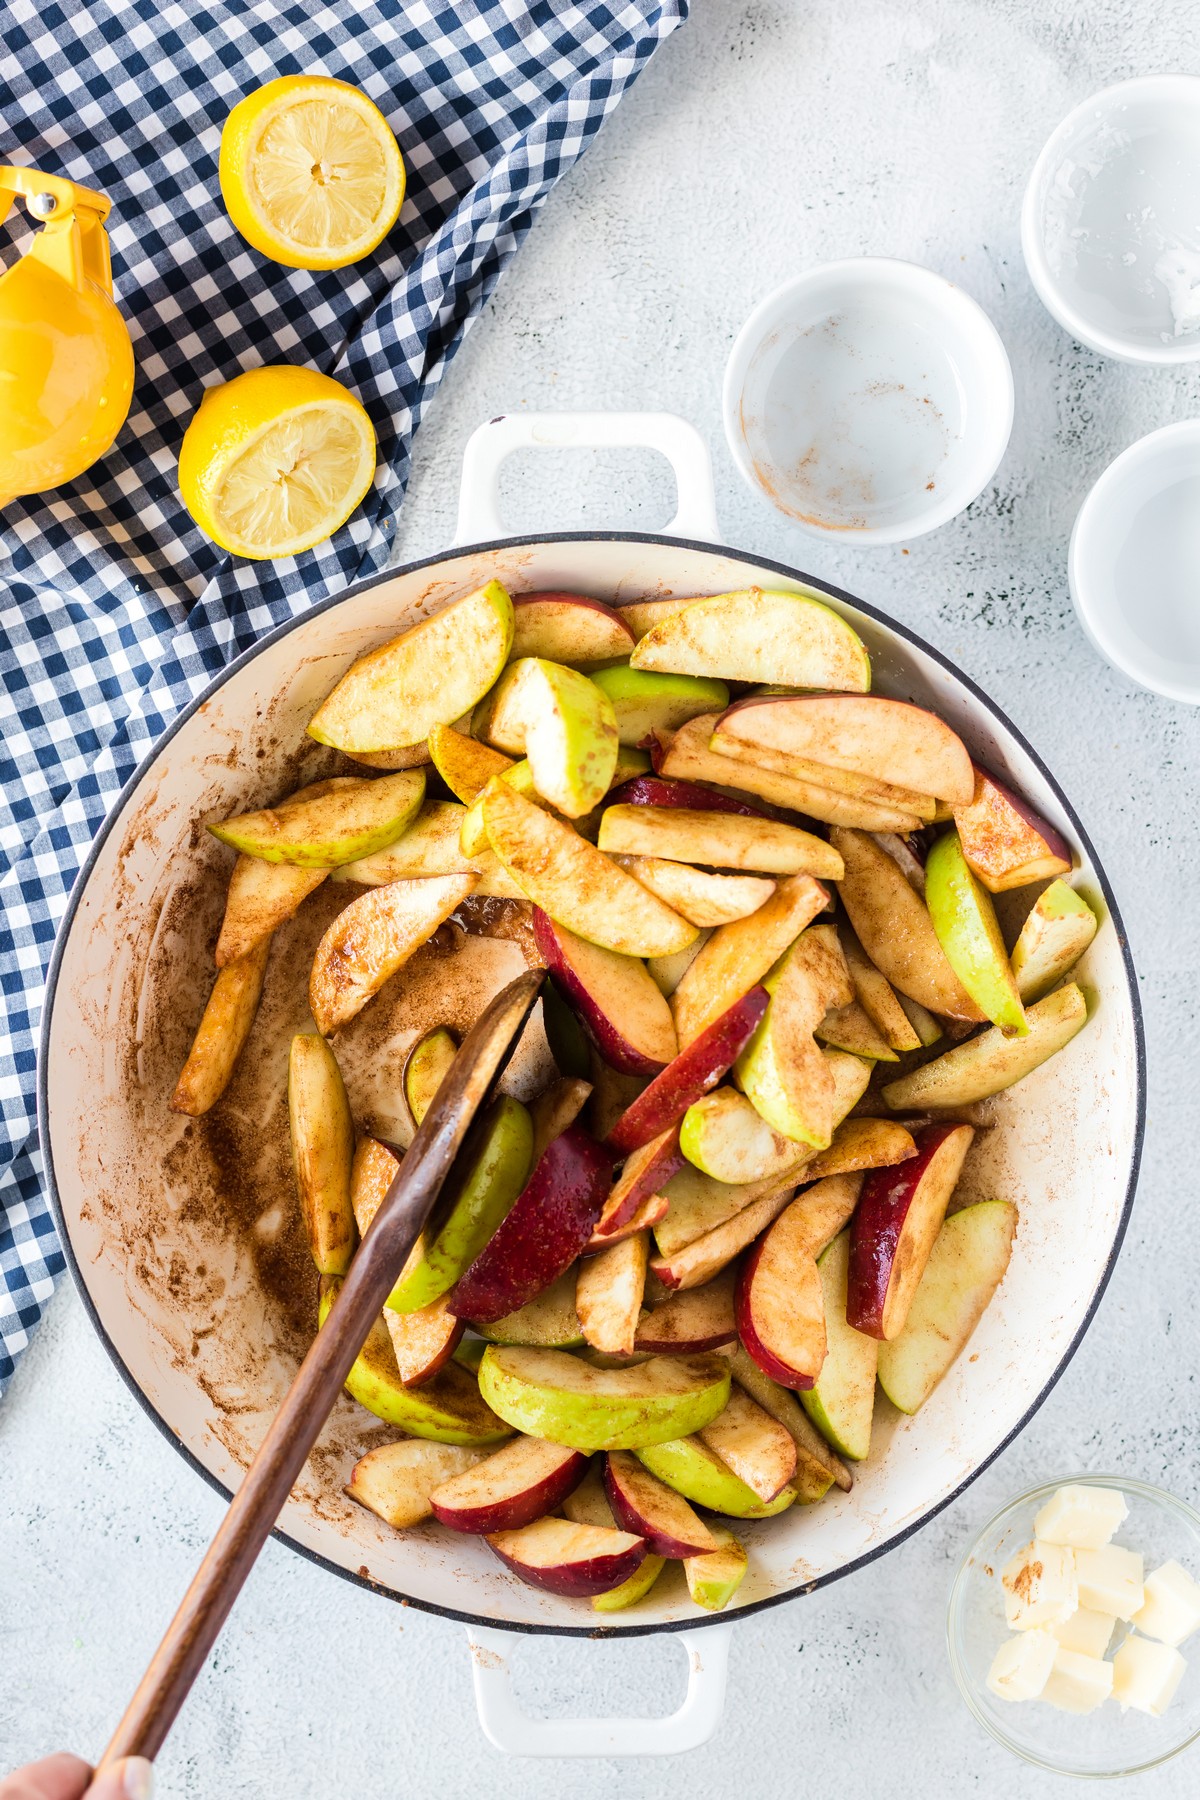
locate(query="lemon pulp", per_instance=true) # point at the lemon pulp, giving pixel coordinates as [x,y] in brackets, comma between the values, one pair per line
[295,477]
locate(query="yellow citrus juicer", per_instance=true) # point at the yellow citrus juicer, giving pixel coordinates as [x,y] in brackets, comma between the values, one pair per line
[66,362]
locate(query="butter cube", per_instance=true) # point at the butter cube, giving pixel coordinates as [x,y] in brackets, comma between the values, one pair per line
[1110,1580]
[1078,1684]
[1083,1517]
[1021,1665]
[1085,1632]
[1145,1675]
[1172,1607]
[1039,1586]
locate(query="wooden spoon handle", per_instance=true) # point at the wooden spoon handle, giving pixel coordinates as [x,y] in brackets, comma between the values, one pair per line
[273,1473]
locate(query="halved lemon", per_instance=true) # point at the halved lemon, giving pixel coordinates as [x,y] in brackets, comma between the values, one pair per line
[311,172]
[275,461]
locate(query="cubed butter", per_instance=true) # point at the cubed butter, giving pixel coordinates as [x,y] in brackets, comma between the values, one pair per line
[1039,1586]
[1078,1684]
[1086,1632]
[1083,1517]
[1171,1610]
[1021,1665]
[1110,1580]
[1146,1675]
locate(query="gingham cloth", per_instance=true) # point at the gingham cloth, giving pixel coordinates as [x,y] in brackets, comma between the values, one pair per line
[114,610]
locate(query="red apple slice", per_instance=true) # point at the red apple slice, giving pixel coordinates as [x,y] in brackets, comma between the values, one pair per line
[646,1172]
[373,937]
[616,996]
[698,1262]
[737,956]
[568,628]
[862,734]
[780,1303]
[576,1560]
[689,1323]
[558,1107]
[694,754]
[548,1225]
[894,928]
[1005,842]
[899,1215]
[423,1340]
[608,1295]
[760,1451]
[866,788]
[720,840]
[646,1506]
[653,790]
[693,1073]
[523,1481]
[650,1211]
[706,898]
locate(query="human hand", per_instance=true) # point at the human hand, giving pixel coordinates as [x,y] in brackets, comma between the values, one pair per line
[64,1777]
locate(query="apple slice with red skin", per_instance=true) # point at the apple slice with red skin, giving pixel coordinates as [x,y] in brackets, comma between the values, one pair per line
[616,996]
[568,628]
[608,1294]
[657,790]
[691,1074]
[780,1303]
[548,1225]
[1004,840]
[760,1451]
[864,788]
[698,1262]
[644,1505]
[689,1323]
[575,1560]
[554,1110]
[523,1481]
[423,1340]
[899,1215]
[738,955]
[694,754]
[647,1171]
[649,1213]
[862,734]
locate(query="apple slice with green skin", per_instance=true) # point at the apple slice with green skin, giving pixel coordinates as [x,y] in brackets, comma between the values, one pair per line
[758,635]
[542,1232]
[568,628]
[551,1394]
[715,1577]
[720,839]
[849,1028]
[553,1111]
[564,1033]
[616,996]
[563,724]
[576,1560]
[690,1075]
[728,1139]
[473,838]
[645,701]
[1005,842]
[817,1467]
[689,756]
[728,740]
[547,1322]
[899,1215]
[923,1023]
[521,1482]
[654,790]
[322,1135]
[841,1403]
[431,847]
[704,1258]
[608,1295]
[633,1589]
[646,1506]
[425,1068]
[464,765]
[862,1144]
[888,741]
[222,1032]
[699,1474]
[449,1408]
[1058,929]
[965,1267]
[737,956]
[261,896]
[758,1449]
[894,928]
[433,673]
[394,1481]
[707,899]
[423,1341]
[877,997]
[576,884]
[969,932]
[373,938]
[991,1062]
[689,1323]
[780,1302]
[359,817]
[645,1173]
[669,971]
[782,1071]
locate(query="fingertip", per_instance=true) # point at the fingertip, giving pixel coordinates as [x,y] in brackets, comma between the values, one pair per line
[130,1779]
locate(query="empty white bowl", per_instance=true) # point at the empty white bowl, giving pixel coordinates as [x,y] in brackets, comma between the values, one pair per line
[870,400]
[1110,228]
[1134,562]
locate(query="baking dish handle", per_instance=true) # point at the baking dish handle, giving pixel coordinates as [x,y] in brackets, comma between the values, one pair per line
[514,1732]
[479,518]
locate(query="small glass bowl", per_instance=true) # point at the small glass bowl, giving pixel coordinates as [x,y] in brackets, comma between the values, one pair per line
[1108,1742]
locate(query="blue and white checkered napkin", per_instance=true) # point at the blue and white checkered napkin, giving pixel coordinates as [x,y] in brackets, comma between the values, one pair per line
[114,610]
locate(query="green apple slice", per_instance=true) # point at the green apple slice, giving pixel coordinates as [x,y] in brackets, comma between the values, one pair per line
[725,1136]
[850,1028]
[566,727]
[551,1394]
[719,839]
[965,1267]
[633,1589]
[430,846]
[964,918]
[322,1133]
[358,817]
[1057,930]
[991,1062]
[698,1473]
[374,937]
[222,1032]
[434,673]
[576,883]
[465,766]
[547,1322]
[473,837]
[782,1071]
[261,896]
[842,1403]
[759,635]
[714,1578]
[425,1068]
[645,701]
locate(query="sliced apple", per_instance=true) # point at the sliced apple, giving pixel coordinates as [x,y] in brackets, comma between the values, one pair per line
[464,765]
[359,817]
[564,1034]
[547,1322]
[576,1560]
[615,995]
[715,1577]
[568,628]
[902,852]
[698,1203]
[707,899]
[780,1302]
[731,1141]
[862,1144]
[688,1323]
[608,1295]
[923,1023]
[642,615]
[654,790]
[782,1071]
[689,1467]
[817,1467]
[737,956]
[322,1134]
[634,1588]
[877,997]
[735,736]
[758,635]
[432,674]
[965,1267]
[1005,842]
[423,1341]
[965,921]
[888,741]
[394,1481]
[646,1172]
[899,1215]
[425,1068]
[521,1482]
[563,724]
[410,756]
[643,1219]
[588,1504]
[645,701]
[722,840]
[647,1507]
[577,884]
[695,754]
[850,1028]
[755,1446]
[841,1403]
[551,1394]
[554,1110]
[991,1062]
[612,1095]
[1058,929]
[690,1075]
[699,1262]
[261,896]
[374,1169]
[431,847]
[894,928]
[669,971]
[373,938]
[222,1032]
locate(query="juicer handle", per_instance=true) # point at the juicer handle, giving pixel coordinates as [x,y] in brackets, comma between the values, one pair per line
[514,1732]
[685,449]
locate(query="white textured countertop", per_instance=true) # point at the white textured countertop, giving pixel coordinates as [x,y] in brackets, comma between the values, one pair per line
[766,137]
